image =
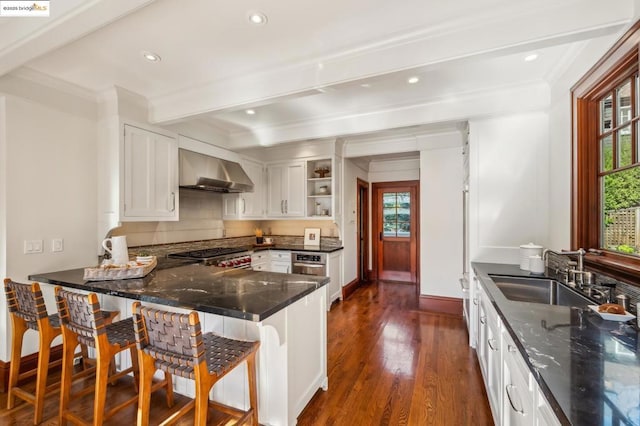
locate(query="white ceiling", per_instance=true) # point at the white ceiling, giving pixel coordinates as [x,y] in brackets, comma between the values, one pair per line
[313,65]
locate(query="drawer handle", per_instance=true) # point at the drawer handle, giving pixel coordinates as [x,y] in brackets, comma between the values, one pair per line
[475,301]
[483,320]
[491,343]
[513,406]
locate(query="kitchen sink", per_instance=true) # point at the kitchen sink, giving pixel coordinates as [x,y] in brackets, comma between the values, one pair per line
[538,290]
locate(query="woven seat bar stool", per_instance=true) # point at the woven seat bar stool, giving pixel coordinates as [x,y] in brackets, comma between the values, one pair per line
[28,311]
[82,324]
[174,343]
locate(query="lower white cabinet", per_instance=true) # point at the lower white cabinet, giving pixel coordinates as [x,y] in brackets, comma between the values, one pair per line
[271,260]
[334,272]
[519,389]
[280,261]
[514,395]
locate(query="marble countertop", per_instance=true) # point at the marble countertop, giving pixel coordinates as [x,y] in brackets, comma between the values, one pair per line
[238,293]
[588,368]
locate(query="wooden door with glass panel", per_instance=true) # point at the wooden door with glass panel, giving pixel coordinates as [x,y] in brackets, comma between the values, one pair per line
[396,223]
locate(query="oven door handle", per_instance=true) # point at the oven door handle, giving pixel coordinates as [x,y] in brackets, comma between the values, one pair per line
[309,265]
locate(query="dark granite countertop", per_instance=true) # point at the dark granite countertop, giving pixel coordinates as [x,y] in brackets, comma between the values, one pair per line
[588,368]
[238,293]
[298,247]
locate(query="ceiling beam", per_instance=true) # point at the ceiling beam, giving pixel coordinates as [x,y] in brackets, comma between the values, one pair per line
[510,33]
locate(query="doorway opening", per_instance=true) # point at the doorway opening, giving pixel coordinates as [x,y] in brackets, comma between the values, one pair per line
[362,231]
[395,224]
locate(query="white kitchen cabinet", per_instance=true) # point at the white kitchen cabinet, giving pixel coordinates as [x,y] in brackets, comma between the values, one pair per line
[544,415]
[334,272]
[246,205]
[286,189]
[150,176]
[489,352]
[260,260]
[519,388]
[280,261]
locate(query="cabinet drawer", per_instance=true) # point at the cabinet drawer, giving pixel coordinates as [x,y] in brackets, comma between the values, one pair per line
[259,257]
[281,255]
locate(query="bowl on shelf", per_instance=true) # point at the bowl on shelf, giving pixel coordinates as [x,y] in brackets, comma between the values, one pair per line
[323,190]
[322,172]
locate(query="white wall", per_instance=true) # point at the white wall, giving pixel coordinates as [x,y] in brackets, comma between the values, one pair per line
[441,221]
[50,190]
[351,173]
[560,140]
[509,185]
[394,170]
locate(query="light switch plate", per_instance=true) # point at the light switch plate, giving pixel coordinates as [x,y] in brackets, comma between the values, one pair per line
[33,246]
[57,245]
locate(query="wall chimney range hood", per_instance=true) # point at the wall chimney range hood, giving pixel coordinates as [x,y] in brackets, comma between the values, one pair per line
[204,173]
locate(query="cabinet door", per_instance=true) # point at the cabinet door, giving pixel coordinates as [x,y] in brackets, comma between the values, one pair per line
[252,203]
[231,206]
[334,270]
[518,393]
[295,190]
[275,195]
[286,194]
[150,175]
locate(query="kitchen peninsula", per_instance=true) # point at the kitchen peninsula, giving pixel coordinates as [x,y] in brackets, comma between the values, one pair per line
[285,312]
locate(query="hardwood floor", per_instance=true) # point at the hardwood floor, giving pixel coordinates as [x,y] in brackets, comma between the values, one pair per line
[389,364]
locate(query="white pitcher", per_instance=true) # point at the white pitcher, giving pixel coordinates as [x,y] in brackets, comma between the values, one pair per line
[119,250]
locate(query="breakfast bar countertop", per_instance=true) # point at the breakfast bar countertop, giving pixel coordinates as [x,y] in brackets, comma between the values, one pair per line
[238,293]
[588,368]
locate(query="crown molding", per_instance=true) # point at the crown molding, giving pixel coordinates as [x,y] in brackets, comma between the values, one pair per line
[36,77]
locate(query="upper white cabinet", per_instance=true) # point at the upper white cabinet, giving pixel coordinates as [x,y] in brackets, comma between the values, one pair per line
[286,189]
[150,176]
[247,205]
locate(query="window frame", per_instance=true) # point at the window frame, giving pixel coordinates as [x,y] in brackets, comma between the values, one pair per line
[620,63]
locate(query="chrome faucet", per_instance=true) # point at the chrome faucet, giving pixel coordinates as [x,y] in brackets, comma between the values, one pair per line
[578,275]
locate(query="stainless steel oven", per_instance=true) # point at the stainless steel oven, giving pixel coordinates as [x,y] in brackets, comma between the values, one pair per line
[309,263]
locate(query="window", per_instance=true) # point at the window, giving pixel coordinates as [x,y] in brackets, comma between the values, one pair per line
[396,214]
[606,167]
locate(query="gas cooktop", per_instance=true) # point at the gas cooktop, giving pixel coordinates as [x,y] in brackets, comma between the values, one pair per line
[206,254]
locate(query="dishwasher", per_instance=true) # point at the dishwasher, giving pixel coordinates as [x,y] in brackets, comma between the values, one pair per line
[309,263]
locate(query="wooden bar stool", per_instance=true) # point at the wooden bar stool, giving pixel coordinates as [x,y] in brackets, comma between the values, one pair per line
[82,324]
[29,312]
[174,343]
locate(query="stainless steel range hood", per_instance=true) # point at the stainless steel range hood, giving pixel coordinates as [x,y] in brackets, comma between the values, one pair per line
[205,173]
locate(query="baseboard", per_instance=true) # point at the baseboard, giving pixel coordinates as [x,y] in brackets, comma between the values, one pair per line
[28,362]
[348,289]
[443,305]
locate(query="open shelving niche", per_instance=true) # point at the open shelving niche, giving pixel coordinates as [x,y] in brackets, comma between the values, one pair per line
[320,189]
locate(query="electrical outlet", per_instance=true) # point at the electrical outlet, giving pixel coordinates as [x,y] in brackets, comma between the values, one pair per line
[33,246]
[57,245]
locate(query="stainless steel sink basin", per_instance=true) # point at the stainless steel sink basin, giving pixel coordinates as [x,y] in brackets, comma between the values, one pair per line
[538,290]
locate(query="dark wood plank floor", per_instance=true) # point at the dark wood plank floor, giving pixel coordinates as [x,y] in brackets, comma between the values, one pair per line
[389,364]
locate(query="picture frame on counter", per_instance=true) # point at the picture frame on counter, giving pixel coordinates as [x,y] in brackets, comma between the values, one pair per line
[311,236]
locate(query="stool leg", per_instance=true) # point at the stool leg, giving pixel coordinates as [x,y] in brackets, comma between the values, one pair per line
[169,380]
[203,386]
[43,370]
[147,368]
[102,379]
[70,342]
[253,392]
[19,328]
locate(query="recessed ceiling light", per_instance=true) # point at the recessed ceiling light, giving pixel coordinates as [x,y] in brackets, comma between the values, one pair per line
[151,57]
[257,18]
[413,80]
[365,85]
[531,57]
[250,112]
